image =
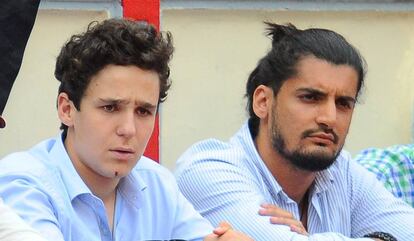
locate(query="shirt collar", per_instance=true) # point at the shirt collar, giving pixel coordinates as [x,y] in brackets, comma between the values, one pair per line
[132,189]
[71,179]
[324,180]
[245,139]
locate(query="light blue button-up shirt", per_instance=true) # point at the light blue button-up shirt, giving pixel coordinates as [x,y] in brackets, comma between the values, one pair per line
[229,180]
[43,187]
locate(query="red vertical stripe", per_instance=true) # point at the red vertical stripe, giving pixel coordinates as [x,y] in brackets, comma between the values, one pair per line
[148,10]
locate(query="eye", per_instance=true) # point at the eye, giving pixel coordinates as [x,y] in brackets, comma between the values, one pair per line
[143,111]
[310,97]
[345,104]
[109,108]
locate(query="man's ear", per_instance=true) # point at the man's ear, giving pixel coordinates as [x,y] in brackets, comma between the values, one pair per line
[65,109]
[262,101]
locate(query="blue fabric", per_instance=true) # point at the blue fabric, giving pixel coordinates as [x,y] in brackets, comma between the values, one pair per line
[229,181]
[43,187]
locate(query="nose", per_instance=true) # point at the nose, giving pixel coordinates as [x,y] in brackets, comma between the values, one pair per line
[327,114]
[127,125]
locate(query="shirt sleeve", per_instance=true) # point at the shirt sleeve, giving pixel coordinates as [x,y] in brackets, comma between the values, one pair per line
[24,195]
[171,215]
[13,228]
[221,191]
[374,208]
[189,224]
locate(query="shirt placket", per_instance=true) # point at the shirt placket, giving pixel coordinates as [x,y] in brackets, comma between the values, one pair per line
[99,209]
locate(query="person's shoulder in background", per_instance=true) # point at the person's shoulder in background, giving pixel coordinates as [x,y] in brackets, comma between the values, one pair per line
[394,166]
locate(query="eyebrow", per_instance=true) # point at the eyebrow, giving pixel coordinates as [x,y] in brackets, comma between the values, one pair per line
[124,102]
[113,101]
[320,93]
[311,91]
[147,105]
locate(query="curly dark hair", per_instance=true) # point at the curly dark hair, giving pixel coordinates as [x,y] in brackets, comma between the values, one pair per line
[289,46]
[113,41]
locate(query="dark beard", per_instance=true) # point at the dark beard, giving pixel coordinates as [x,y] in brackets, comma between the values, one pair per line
[307,161]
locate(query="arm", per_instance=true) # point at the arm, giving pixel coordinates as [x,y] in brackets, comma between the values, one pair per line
[25,197]
[221,191]
[188,222]
[13,228]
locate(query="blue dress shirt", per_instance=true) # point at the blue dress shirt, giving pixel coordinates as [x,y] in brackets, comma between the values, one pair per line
[229,181]
[43,187]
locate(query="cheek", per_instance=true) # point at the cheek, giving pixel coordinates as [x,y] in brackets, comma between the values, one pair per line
[146,129]
[93,143]
[344,122]
[87,150]
[289,128]
[298,122]
[297,114]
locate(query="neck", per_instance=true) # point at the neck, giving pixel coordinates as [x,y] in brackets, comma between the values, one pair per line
[303,207]
[294,182]
[104,188]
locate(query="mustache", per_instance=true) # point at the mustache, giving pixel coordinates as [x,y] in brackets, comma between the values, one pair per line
[323,129]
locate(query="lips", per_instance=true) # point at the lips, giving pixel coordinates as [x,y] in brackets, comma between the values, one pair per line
[323,138]
[123,153]
[124,149]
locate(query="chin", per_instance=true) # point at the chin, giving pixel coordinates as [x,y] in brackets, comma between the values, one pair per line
[123,171]
[117,172]
[322,149]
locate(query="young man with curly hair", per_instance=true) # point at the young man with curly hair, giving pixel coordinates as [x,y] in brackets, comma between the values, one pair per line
[92,182]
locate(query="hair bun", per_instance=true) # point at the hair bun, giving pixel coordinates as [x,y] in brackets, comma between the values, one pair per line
[278,32]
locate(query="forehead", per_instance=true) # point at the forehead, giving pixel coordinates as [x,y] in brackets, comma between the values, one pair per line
[324,76]
[128,83]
